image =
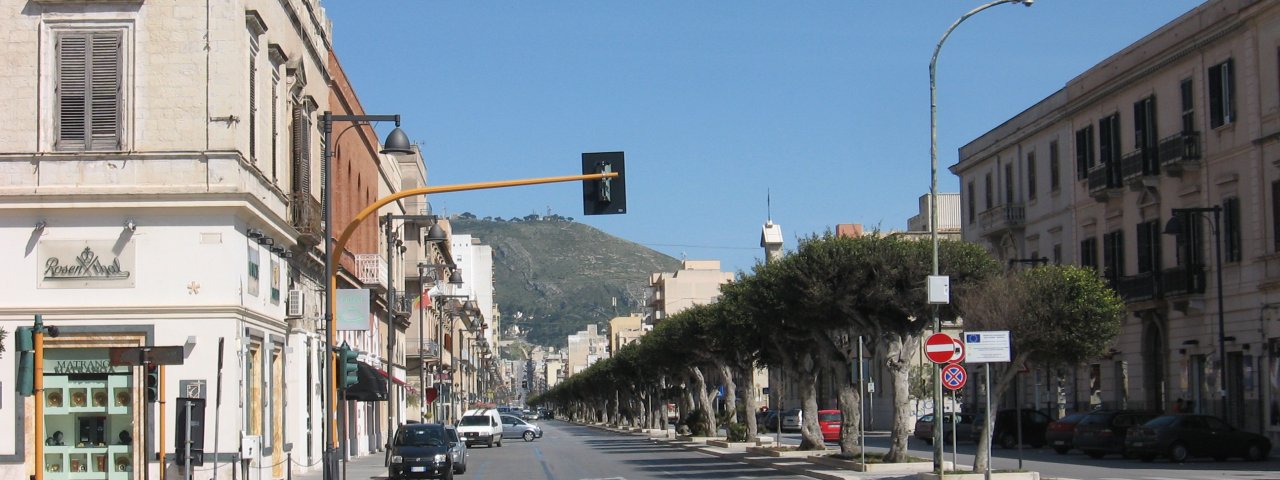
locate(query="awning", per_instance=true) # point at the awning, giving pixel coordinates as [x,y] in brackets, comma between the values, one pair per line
[371,386]
[397,381]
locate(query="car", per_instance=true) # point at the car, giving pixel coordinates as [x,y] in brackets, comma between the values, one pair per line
[1060,432]
[1182,436]
[792,419]
[420,450]
[961,422]
[1103,431]
[481,426]
[829,423]
[515,427]
[767,421]
[1005,434]
[457,449]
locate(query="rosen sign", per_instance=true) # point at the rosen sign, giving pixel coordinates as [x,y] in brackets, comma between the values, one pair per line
[85,264]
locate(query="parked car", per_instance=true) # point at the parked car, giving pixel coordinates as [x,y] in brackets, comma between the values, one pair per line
[1104,431]
[767,421]
[961,422]
[1005,434]
[1060,432]
[792,419]
[420,450]
[481,426]
[1182,436]
[457,449]
[829,423]
[515,427]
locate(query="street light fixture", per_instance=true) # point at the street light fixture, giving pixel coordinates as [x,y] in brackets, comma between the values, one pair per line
[397,143]
[1176,227]
[933,210]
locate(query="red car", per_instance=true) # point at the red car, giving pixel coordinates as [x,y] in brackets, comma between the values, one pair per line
[829,423]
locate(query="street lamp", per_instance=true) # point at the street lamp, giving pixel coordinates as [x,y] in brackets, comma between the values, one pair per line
[392,300]
[436,273]
[933,209]
[1176,227]
[397,143]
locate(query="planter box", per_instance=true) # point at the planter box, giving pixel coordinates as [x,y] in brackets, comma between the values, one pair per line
[770,452]
[727,444]
[904,467]
[685,438]
[979,476]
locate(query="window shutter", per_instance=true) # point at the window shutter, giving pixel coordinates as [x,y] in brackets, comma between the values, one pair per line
[104,88]
[301,170]
[253,107]
[73,56]
[1144,248]
[1215,96]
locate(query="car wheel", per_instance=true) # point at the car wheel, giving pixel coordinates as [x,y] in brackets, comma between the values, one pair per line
[1255,452]
[1094,454]
[499,442]
[459,469]
[490,443]
[1178,453]
[528,435]
[1062,450]
[1008,441]
[448,474]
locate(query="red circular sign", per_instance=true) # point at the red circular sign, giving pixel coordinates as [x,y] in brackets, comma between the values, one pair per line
[941,348]
[954,376]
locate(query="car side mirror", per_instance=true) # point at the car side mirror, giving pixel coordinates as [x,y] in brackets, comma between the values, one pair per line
[453,444]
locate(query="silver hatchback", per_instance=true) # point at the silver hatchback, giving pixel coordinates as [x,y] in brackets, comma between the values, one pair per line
[457,449]
[515,427]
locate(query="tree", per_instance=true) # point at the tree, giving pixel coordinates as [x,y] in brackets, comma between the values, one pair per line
[1056,315]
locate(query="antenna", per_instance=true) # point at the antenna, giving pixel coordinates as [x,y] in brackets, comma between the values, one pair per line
[768,201]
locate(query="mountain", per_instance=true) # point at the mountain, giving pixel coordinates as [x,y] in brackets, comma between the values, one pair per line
[554,276]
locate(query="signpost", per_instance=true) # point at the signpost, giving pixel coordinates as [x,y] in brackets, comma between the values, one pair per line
[985,348]
[941,348]
[954,376]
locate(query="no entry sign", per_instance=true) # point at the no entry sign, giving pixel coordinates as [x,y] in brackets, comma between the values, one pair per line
[941,348]
[954,376]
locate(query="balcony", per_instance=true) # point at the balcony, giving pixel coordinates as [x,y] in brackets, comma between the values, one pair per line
[1138,287]
[1183,280]
[1103,183]
[371,269]
[304,215]
[1131,167]
[401,304]
[1180,152]
[429,349]
[1002,218]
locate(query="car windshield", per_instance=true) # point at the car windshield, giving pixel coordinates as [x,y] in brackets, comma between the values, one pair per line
[1161,421]
[475,421]
[452,434]
[828,417]
[421,437]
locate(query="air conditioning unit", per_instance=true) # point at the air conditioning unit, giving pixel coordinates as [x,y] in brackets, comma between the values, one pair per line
[294,307]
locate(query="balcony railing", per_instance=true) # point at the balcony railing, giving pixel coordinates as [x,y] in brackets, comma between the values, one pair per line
[1001,218]
[304,215]
[1180,152]
[1138,287]
[1183,280]
[371,269]
[401,304]
[1131,167]
[1103,181]
[429,349]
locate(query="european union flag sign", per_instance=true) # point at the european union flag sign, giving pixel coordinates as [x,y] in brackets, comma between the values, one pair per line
[984,347]
[972,338]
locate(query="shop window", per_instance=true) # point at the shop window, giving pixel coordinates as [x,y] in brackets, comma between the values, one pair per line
[89,408]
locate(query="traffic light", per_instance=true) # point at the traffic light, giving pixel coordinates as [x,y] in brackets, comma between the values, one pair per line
[524,384]
[153,383]
[605,196]
[347,367]
[24,338]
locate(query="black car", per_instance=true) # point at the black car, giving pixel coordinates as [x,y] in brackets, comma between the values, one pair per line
[1183,436]
[1034,425]
[420,450]
[1103,431]
[767,421]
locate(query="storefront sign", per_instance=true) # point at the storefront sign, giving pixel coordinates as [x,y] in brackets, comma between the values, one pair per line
[77,367]
[353,309]
[85,264]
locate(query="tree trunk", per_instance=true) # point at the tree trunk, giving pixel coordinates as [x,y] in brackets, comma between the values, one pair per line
[898,359]
[850,412]
[750,402]
[730,393]
[1002,383]
[707,426]
[811,434]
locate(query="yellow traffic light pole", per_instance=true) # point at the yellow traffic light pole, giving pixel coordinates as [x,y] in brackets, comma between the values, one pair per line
[38,393]
[373,208]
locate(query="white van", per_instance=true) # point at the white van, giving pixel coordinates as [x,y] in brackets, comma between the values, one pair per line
[481,426]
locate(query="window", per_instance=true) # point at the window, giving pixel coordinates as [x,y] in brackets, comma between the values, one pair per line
[1008,184]
[1149,246]
[1089,253]
[88,90]
[1231,229]
[1113,255]
[275,125]
[1057,254]
[1031,176]
[253,99]
[1054,175]
[973,203]
[301,149]
[1191,241]
[1145,135]
[1221,94]
[1188,107]
[253,375]
[1084,152]
[1109,148]
[987,185]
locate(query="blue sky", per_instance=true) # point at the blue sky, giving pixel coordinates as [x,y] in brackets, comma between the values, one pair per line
[825,104]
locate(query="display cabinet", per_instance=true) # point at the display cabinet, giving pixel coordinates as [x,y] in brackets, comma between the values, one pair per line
[88,421]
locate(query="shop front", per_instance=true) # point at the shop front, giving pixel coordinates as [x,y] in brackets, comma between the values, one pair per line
[91,413]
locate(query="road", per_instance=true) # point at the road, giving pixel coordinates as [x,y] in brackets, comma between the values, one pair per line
[1076,465]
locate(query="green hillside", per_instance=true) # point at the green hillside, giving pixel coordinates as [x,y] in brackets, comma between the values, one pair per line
[554,276]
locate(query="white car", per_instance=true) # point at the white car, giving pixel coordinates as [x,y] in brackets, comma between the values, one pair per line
[481,426]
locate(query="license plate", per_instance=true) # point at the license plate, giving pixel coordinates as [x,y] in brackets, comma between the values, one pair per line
[1059,442]
[417,469]
[471,434]
[1137,444]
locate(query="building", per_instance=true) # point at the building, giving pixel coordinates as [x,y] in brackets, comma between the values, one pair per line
[585,348]
[696,283]
[1183,118]
[625,330]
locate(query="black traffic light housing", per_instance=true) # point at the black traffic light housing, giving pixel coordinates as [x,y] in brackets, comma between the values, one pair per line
[153,383]
[606,196]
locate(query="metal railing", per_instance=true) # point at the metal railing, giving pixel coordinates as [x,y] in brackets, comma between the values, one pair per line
[1131,166]
[428,349]
[371,269]
[1002,217]
[1183,280]
[1179,151]
[304,215]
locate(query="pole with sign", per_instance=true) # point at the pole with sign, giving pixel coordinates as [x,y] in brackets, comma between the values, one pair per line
[985,348]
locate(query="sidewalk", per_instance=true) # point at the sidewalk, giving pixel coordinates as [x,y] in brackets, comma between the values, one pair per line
[358,468]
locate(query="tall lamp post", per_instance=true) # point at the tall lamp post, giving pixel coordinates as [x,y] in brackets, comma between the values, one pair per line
[1176,227]
[397,143]
[933,211]
[392,300]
